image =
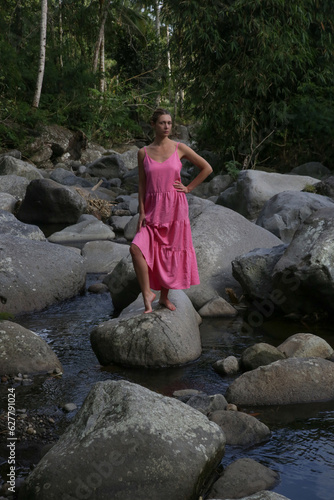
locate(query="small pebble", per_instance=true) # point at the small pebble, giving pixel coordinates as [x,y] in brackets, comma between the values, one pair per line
[68,407]
[231,407]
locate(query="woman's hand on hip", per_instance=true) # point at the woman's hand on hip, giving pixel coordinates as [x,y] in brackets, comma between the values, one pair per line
[180,187]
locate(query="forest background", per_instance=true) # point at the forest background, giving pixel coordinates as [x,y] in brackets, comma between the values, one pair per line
[255,76]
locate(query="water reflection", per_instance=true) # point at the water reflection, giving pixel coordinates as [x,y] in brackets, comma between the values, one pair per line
[301,445]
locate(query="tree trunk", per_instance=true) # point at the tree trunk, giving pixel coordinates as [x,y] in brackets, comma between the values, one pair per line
[102,67]
[61,33]
[104,13]
[41,68]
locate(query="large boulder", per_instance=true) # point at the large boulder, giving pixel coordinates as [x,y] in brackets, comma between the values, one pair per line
[12,166]
[314,169]
[285,212]
[16,185]
[23,351]
[103,256]
[305,273]
[253,188]
[306,380]
[88,228]
[305,345]
[108,167]
[48,202]
[240,429]
[219,236]
[254,270]
[158,339]
[67,178]
[129,442]
[243,477]
[11,226]
[36,274]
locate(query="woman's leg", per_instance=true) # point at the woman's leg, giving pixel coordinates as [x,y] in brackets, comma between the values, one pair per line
[164,300]
[141,270]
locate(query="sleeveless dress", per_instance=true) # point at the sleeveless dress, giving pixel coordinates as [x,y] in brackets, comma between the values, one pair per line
[166,241]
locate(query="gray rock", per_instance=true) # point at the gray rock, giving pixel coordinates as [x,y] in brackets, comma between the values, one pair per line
[305,345]
[254,271]
[305,381]
[207,404]
[67,178]
[227,366]
[12,166]
[122,283]
[21,350]
[214,187]
[285,212]
[11,226]
[219,236]
[88,228]
[253,188]
[129,442]
[260,355]
[131,228]
[36,274]
[130,158]
[161,338]
[109,167]
[103,256]
[240,429]
[326,187]
[14,185]
[68,407]
[217,307]
[7,202]
[314,169]
[305,273]
[243,477]
[118,222]
[47,201]
[14,153]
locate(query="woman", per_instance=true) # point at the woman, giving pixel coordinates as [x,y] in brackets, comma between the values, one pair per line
[162,251]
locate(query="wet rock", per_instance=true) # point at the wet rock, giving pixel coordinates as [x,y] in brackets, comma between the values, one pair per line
[243,477]
[23,350]
[207,404]
[259,355]
[305,381]
[305,345]
[129,442]
[47,201]
[37,274]
[254,187]
[161,338]
[240,429]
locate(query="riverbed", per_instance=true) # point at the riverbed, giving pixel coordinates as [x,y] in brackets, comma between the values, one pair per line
[301,447]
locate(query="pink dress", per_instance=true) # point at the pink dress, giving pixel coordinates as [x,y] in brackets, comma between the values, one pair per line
[165,241]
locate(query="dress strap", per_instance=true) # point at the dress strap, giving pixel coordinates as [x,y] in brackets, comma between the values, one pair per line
[177,145]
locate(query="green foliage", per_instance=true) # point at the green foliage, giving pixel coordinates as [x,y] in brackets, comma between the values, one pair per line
[248,68]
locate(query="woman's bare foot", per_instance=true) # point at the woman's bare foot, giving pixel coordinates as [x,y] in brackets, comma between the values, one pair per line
[167,303]
[148,302]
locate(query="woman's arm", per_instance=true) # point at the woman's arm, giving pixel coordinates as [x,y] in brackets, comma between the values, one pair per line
[141,189]
[203,165]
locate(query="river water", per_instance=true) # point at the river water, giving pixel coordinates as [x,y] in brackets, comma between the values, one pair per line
[301,447]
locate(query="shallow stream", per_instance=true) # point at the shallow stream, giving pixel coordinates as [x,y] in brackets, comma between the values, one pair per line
[301,447]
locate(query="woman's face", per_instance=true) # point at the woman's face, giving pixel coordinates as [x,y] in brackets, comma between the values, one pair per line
[163,125]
